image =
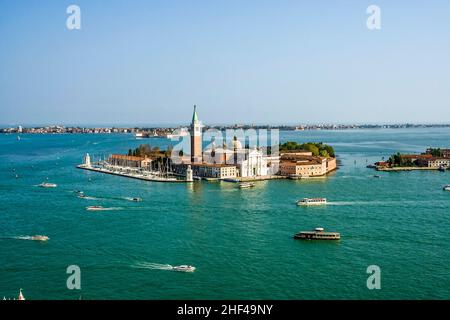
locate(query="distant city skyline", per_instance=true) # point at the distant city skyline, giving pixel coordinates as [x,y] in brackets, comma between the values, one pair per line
[241,62]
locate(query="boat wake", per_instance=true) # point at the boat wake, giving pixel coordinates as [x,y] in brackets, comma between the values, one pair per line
[88,198]
[153,266]
[168,267]
[357,203]
[22,238]
[32,238]
[387,203]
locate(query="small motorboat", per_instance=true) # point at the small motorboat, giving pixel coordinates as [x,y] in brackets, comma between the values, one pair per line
[39,238]
[96,208]
[446,188]
[48,185]
[136,199]
[246,185]
[376,176]
[184,268]
[442,169]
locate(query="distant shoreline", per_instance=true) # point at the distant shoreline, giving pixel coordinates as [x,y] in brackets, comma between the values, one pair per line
[60,129]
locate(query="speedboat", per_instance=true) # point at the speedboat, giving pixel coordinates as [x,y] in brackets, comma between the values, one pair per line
[246,185]
[442,168]
[184,268]
[96,208]
[447,188]
[312,202]
[48,185]
[39,238]
[136,199]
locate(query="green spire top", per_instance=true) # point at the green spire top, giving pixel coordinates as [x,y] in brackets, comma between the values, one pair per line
[195,116]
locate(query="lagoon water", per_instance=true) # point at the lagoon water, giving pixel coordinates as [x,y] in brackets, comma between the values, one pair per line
[240,241]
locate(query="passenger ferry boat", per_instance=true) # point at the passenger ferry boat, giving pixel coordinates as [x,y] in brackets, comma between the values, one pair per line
[246,185]
[317,234]
[312,202]
[447,188]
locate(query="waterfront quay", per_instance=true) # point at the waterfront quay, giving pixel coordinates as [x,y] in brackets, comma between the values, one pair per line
[130,173]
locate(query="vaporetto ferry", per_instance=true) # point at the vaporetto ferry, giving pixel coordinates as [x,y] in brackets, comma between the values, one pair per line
[312,202]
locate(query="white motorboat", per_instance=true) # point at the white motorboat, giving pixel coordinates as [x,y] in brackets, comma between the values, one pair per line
[246,185]
[184,268]
[39,238]
[48,185]
[96,208]
[312,202]
[135,199]
[447,188]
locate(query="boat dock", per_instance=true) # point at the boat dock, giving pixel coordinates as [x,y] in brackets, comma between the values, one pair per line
[138,176]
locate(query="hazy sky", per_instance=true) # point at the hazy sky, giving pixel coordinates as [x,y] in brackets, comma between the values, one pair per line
[149,62]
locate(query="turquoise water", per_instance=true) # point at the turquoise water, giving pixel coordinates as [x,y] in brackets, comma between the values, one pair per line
[239,240]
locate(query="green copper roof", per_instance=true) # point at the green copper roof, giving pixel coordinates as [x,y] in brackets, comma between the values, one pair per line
[195,116]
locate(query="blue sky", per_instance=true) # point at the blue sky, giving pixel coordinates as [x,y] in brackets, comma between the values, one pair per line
[149,62]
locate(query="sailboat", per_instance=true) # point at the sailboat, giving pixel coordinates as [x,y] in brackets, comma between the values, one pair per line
[21,297]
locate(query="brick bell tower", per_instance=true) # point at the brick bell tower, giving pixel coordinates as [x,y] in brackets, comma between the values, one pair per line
[196,138]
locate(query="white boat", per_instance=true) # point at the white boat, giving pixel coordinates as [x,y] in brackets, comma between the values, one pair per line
[96,208]
[21,297]
[312,202]
[48,185]
[246,185]
[39,238]
[447,188]
[184,268]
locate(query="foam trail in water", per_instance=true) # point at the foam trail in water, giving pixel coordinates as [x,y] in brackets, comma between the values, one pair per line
[357,203]
[153,266]
[89,198]
[22,238]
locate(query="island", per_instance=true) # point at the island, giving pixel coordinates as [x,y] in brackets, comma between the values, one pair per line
[431,159]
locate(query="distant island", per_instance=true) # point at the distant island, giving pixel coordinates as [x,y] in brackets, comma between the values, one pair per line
[431,159]
[168,132]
